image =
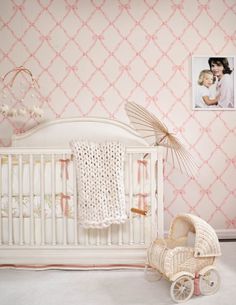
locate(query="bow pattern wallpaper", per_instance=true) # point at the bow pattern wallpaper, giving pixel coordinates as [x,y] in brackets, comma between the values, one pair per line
[90,57]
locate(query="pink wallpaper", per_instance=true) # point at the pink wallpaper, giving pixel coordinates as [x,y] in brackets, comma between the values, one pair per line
[90,57]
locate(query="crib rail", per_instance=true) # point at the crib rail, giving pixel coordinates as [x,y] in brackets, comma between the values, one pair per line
[32,180]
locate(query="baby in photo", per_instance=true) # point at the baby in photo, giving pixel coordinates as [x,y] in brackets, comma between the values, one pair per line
[206,95]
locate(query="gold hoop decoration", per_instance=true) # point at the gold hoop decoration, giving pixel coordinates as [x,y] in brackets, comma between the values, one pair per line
[16,72]
[6,110]
[157,134]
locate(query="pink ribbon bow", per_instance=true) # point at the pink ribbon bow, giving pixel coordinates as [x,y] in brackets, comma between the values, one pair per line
[231,223]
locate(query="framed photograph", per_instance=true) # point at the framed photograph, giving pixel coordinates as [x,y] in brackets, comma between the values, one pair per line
[213,82]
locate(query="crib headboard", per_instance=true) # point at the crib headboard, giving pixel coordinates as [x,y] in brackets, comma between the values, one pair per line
[58,133]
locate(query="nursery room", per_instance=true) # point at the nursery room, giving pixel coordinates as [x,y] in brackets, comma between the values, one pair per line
[117,152]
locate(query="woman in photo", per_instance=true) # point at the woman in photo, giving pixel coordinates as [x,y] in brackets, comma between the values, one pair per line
[224,82]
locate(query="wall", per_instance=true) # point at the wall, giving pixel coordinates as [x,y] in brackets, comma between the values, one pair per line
[90,57]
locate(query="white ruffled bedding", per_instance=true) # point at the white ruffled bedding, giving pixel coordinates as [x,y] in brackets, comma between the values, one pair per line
[140,186]
[67,209]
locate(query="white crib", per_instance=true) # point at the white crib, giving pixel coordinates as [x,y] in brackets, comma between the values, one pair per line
[38,199]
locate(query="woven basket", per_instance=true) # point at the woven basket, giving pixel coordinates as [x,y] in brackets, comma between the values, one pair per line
[175,254]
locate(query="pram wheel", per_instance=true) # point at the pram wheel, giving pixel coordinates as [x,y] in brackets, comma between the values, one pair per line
[182,289]
[209,282]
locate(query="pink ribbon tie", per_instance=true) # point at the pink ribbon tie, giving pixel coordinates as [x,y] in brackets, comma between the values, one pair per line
[64,167]
[142,200]
[144,163]
[196,284]
[64,205]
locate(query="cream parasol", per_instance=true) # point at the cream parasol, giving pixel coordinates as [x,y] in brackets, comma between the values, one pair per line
[156,133]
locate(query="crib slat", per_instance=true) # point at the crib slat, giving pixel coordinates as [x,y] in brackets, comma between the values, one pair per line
[98,237]
[130,205]
[42,199]
[109,235]
[142,219]
[31,188]
[64,190]
[10,233]
[120,234]
[75,205]
[87,234]
[153,187]
[53,171]
[160,188]
[21,219]
[1,193]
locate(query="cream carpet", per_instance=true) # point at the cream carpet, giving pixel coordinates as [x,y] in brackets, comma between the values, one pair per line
[116,287]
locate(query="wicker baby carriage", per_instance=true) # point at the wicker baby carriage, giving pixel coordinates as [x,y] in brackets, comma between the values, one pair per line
[187,257]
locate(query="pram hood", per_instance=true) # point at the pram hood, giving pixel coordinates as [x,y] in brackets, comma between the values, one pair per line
[206,241]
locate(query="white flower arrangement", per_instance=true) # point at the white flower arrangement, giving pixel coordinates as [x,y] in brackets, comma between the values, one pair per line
[35,111]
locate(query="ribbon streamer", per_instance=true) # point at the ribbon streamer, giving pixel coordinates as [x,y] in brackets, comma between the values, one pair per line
[64,167]
[144,163]
[64,204]
[142,200]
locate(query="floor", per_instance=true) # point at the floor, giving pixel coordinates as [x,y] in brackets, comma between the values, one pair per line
[116,287]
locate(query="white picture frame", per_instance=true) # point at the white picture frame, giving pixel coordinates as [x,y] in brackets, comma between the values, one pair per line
[220,95]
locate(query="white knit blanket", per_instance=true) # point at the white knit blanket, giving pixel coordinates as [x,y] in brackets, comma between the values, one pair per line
[100,183]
